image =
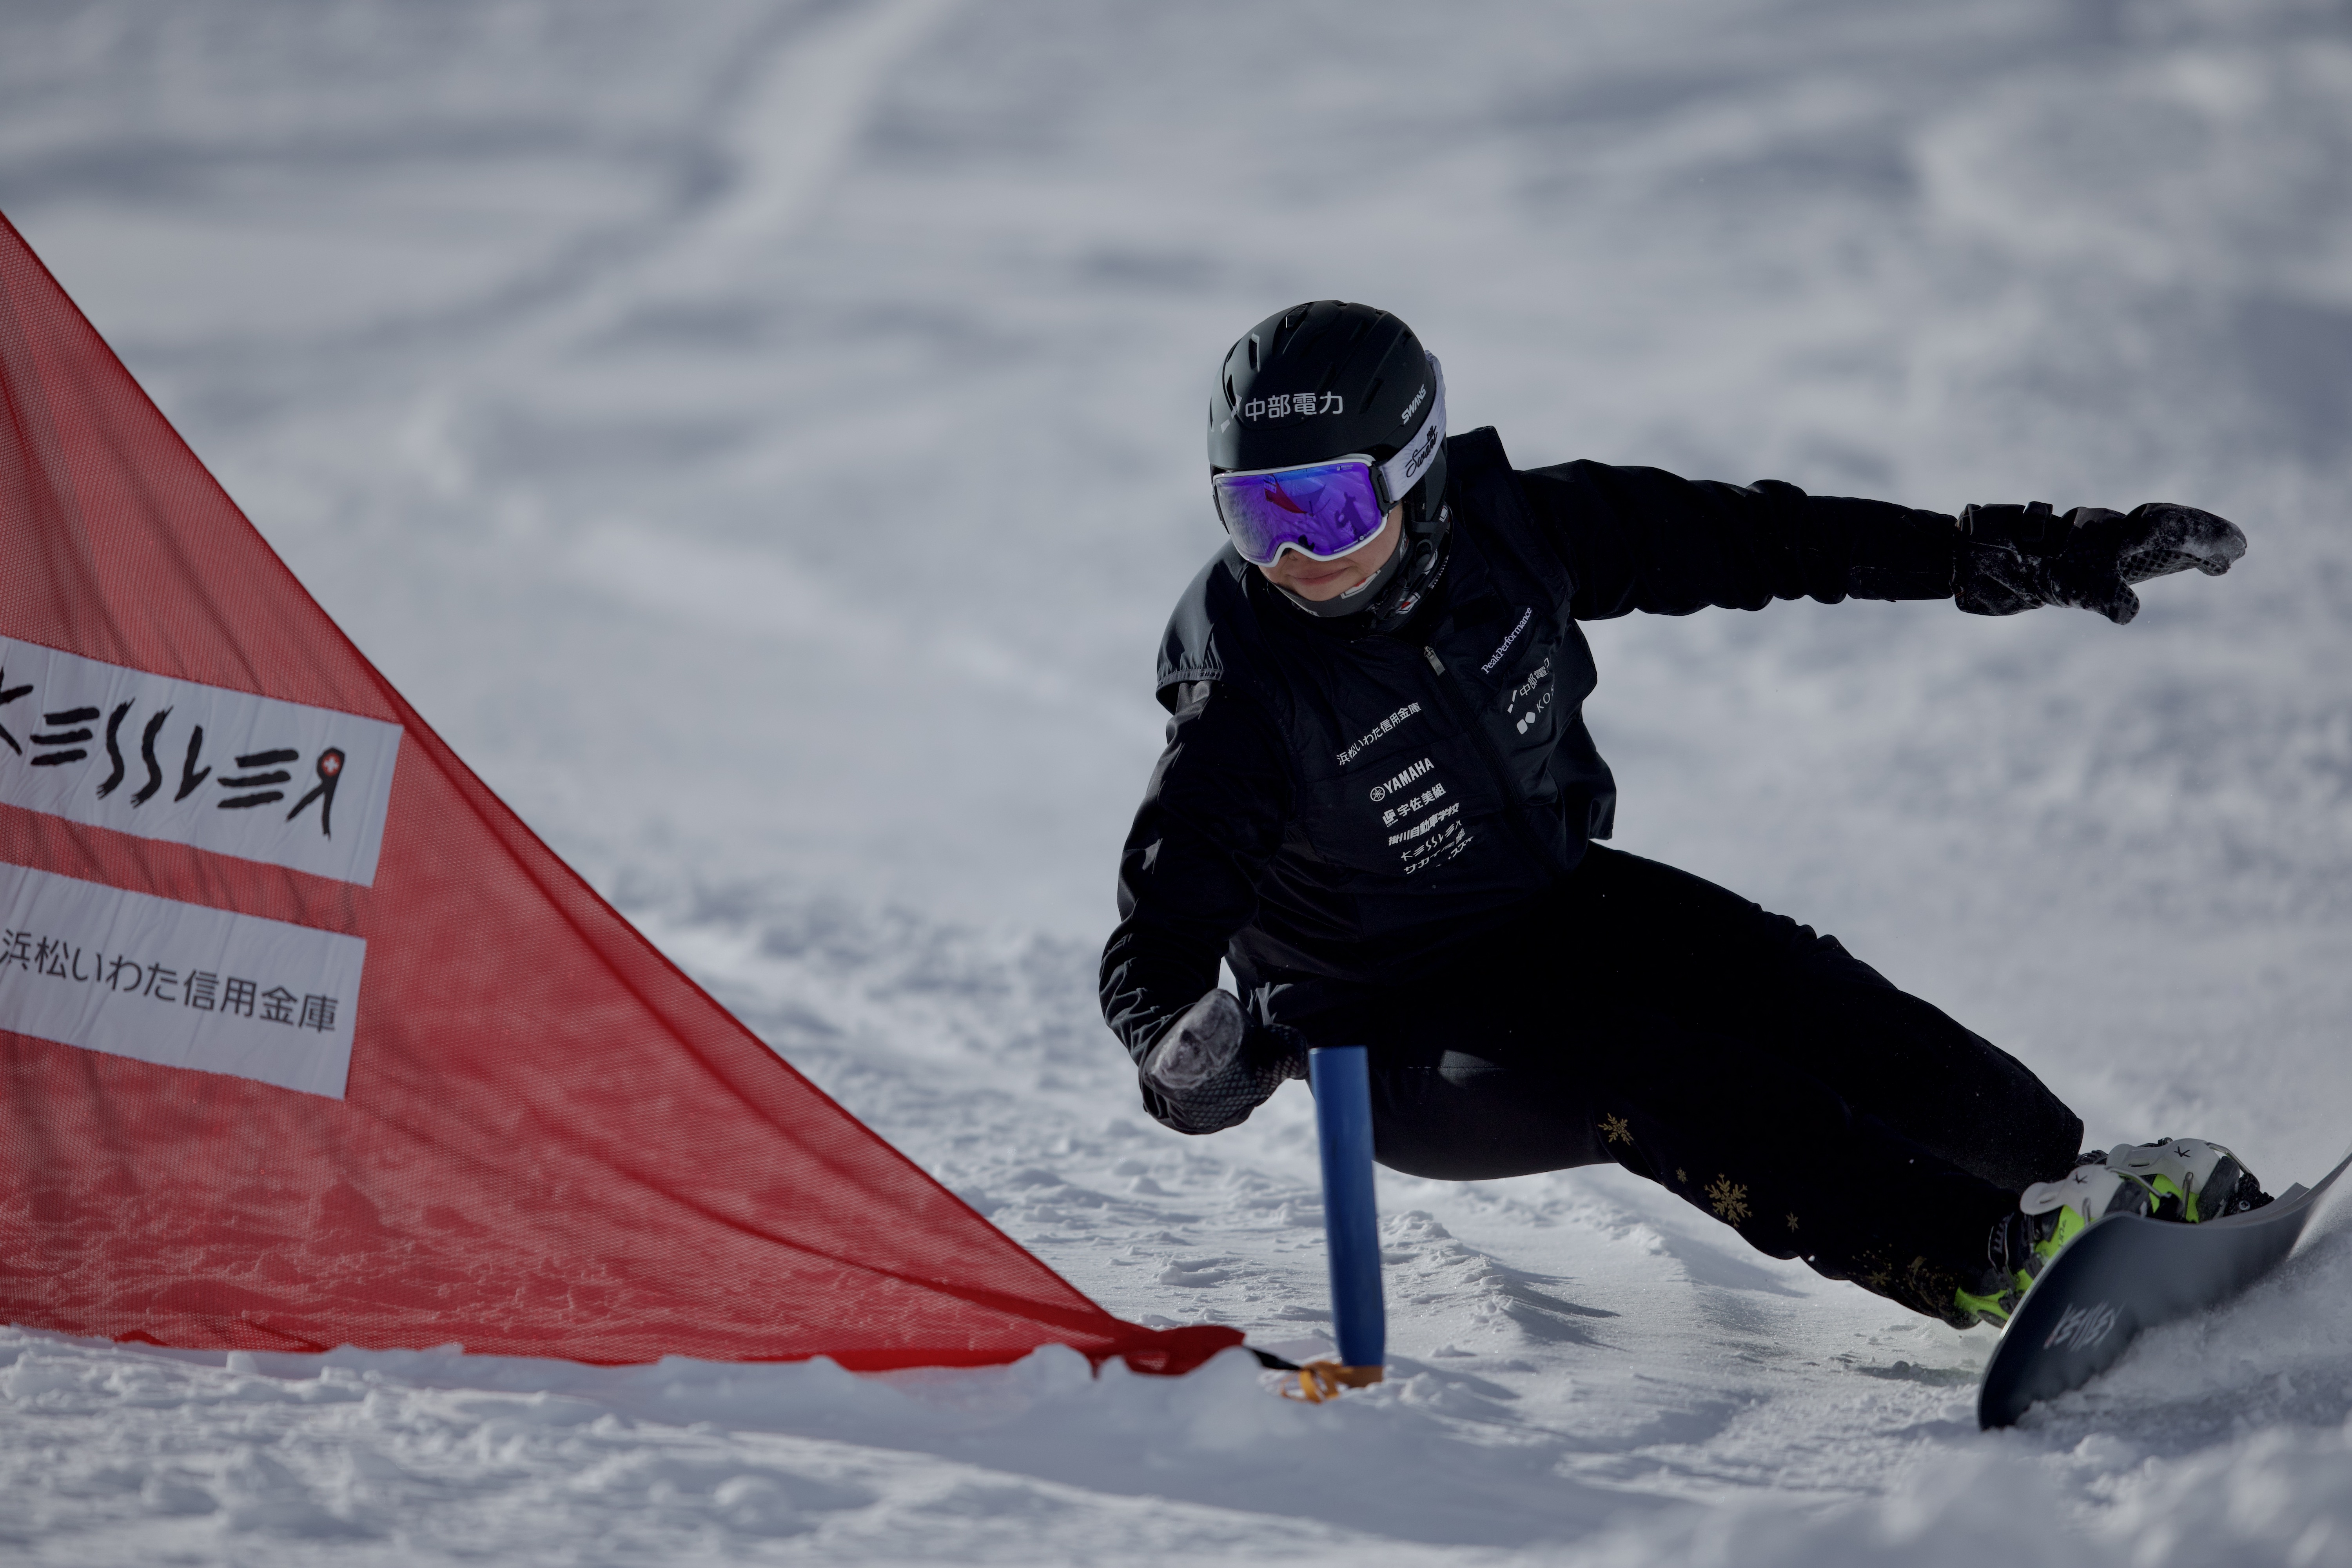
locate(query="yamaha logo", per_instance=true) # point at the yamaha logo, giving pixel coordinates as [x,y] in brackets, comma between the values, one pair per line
[1383,790]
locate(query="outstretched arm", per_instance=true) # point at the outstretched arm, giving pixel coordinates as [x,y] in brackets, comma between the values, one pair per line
[1642,538]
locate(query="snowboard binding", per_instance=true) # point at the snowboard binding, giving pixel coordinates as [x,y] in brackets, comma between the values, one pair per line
[2181,1180]
[2187,1178]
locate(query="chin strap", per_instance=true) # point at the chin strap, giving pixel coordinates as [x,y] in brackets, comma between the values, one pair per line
[1420,576]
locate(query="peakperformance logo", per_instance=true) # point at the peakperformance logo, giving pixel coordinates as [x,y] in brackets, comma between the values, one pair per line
[1496,657]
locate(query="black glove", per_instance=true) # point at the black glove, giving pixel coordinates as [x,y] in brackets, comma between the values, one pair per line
[2015,558]
[1210,1068]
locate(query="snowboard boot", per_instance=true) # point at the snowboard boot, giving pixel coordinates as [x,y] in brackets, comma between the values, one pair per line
[2181,1179]
[2049,1215]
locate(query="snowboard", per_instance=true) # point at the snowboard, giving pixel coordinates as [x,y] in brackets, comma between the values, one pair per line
[2126,1274]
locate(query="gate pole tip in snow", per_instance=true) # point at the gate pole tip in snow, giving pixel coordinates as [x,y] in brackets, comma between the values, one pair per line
[1322,1380]
[1343,1125]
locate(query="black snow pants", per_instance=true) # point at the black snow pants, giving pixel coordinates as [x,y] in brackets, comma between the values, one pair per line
[1642,1015]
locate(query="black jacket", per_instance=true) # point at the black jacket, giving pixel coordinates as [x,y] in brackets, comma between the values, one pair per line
[1335,806]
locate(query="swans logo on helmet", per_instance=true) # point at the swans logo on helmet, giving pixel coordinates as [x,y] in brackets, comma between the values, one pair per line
[1416,462]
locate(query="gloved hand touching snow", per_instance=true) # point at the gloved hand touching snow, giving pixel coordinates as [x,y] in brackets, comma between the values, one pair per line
[2015,558]
[1212,1067]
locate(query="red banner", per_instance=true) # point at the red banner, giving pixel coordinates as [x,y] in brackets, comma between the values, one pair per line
[306,1040]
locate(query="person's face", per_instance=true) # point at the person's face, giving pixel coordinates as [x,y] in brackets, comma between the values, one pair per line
[1321,580]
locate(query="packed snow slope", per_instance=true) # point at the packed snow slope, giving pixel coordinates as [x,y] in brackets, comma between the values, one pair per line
[764,438]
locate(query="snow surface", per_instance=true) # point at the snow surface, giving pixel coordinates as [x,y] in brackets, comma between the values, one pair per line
[764,438]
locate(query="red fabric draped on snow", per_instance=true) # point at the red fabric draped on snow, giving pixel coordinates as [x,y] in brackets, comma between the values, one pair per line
[551,1142]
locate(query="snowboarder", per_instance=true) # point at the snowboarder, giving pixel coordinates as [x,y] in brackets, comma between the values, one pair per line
[1379,803]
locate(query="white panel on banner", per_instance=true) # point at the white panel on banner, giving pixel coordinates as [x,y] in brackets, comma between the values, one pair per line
[277,781]
[179,985]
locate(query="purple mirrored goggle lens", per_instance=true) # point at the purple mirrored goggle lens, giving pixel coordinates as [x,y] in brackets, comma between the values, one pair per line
[1323,510]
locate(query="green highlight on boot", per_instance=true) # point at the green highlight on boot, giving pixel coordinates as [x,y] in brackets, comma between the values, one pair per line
[1995,1308]
[2166,1192]
[2070,1225]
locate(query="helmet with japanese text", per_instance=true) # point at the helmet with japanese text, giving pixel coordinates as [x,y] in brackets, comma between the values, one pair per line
[1330,381]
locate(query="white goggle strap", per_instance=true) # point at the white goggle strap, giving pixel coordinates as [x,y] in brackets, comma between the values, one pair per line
[1404,470]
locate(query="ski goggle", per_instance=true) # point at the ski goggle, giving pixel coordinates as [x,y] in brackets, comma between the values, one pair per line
[1330,508]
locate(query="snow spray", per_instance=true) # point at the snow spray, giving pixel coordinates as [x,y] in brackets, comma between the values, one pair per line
[1343,1126]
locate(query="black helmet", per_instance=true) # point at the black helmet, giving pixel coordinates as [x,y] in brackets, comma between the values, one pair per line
[1329,379]
[1345,378]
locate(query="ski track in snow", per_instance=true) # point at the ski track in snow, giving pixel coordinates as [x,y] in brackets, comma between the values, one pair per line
[762,438]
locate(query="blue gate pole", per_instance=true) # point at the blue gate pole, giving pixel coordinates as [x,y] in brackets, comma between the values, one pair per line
[1343,1126]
